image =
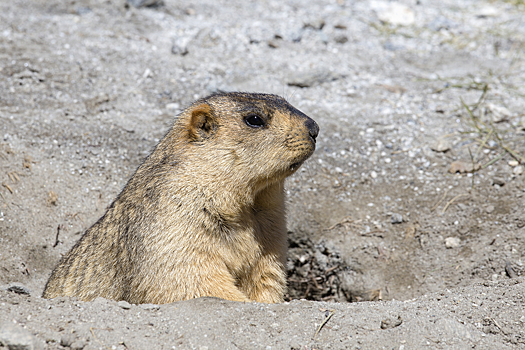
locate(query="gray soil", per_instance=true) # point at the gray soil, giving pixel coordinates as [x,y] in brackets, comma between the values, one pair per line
[406,225]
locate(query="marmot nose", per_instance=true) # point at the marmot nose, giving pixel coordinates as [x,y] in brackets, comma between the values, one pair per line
[313,128]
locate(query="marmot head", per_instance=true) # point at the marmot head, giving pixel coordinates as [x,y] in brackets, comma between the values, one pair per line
[259,138]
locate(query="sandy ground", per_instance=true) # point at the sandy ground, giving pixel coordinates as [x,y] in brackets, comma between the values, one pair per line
[413,203]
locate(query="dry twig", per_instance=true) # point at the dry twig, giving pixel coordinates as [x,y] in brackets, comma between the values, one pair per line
[328,317]
[56,238]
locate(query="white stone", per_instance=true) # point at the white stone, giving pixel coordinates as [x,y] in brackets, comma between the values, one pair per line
[124,304]
[499,113]
[452,242]
[393,13]
[442,145]
[172,106]
[488,11]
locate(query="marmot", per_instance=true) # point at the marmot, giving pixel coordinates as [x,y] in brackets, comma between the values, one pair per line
[203,215]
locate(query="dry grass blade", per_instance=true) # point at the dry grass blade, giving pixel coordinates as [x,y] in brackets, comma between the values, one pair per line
[472,117]
[439,202]
[345,222]
[493,160]
[513,153]
[96,339]
[8,188]
[483,143]
[332,312]
[452,201]
[488,131]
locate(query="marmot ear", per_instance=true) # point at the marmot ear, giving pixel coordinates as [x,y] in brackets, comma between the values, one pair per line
[202,122]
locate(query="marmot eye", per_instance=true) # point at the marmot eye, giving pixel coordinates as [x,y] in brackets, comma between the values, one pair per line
[254,121]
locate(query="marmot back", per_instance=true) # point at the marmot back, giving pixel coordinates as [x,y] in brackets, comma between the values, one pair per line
[203,215]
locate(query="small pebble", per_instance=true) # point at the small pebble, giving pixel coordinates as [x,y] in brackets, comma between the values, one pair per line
[172,106]
[394,13]
[274,44]
[442,145]
[452,242]
[396,218]
[509,270]
[180,46]
[391,322]
[499,113]
[100,301]
[373,174]
[459,166]
[19,289]
[489,209]
[145,3]
[317,23]
[311,78]
[149,306]
[513,163]
[341,39]
[518,170]
[498,181]
[124,304]
[488,11]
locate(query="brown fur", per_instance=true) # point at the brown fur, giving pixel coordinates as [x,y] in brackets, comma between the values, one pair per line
[203,215]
